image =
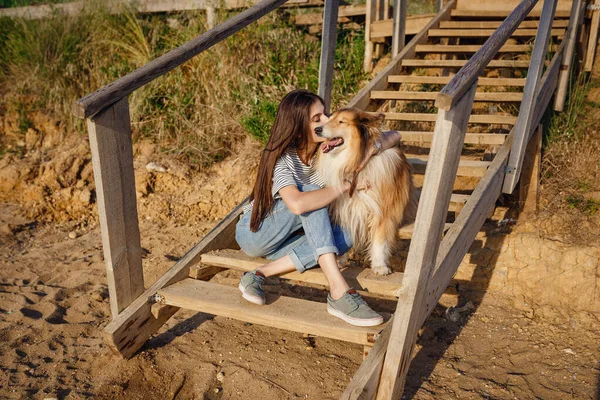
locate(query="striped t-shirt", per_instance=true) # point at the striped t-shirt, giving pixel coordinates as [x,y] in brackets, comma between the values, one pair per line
[291,171]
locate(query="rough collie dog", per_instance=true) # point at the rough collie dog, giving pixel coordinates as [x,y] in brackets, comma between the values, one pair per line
[385,194]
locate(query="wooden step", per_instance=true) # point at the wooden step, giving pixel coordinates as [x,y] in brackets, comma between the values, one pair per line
[559,23]
[465,167]
[500,13]
[461,63]
[280,312]
[470,138]
[444,80]
[487,32]
[479,96]
[473,119]
[357,277]
[472,48]
[407,230]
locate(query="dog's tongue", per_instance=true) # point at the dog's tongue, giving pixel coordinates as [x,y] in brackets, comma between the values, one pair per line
[330,144]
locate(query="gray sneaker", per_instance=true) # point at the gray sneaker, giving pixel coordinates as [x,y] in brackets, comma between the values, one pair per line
[353,309]
[251,287]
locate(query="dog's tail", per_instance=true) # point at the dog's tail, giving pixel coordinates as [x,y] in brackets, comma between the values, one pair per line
[410,213]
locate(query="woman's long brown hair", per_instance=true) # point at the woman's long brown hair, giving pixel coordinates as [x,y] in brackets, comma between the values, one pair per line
[290,130]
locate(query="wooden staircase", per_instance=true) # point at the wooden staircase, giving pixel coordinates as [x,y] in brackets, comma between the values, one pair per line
[407,103]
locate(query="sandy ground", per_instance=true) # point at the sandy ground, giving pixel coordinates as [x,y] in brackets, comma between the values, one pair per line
[54,305]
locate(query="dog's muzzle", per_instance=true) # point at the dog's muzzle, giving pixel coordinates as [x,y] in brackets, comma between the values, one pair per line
[319,130]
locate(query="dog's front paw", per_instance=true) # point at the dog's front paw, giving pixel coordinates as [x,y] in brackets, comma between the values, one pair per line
[381,270]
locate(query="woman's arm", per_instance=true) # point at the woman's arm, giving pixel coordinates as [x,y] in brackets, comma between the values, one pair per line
[387,140]
[300,202]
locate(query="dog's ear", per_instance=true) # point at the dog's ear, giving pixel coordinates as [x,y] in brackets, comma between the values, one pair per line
[370,120]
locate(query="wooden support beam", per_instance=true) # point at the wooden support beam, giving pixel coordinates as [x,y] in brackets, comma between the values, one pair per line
[527,109]
[292,314]
[361,100]
[462,63]
[444,80]
[112,159]
[328,44]
[371,10]
[593,40]
[130,330]
[431,215]
[501,97]
[530,177]
[399,26]
[569,52]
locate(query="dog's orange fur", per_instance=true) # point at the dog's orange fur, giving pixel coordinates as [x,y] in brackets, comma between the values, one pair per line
[385,195]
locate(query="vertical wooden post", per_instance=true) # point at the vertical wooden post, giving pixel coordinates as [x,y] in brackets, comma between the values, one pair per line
[440,4]
[369,18]
[526,113]
[591,49]
[565,66]
[530,180]
[399,24]
[112,159]
[446,147]
[328,42]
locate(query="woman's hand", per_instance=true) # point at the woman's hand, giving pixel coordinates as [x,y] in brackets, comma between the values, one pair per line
[386,141]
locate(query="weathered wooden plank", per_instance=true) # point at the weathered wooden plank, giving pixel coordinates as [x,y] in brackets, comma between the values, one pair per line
[526,111]
[111,93]
[488,32]
[444,80]
[414,24]
[465,167]
[361,100]
[317,18]
[328,42]
[128,332]
[473,119]
[558,23]
[431,215]
[463,80]
[565,68]
[281,312]
[479,96]
[360,278]
[530,177]
[463,63]
[472,48]
[112,159]
[471,138]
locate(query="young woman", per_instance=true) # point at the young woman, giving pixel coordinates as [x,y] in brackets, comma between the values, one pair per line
[287,220]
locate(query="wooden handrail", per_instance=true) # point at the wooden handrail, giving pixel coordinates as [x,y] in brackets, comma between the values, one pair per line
[95,102]
[463,80]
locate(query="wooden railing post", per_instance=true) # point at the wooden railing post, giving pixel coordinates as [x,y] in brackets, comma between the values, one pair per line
[399,30]
[526,112]
[565,67]
[446,147]
[369,18]
[328,43]
[112,159]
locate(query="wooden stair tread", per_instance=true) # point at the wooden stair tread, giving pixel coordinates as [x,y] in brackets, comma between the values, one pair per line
[473,119]
[558,23]
[472,48]
[479,96]
[461,63]
[360,278]
[444,80]
[470,138]
[465,167]
[281,312]
[488,32]
[500,13]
